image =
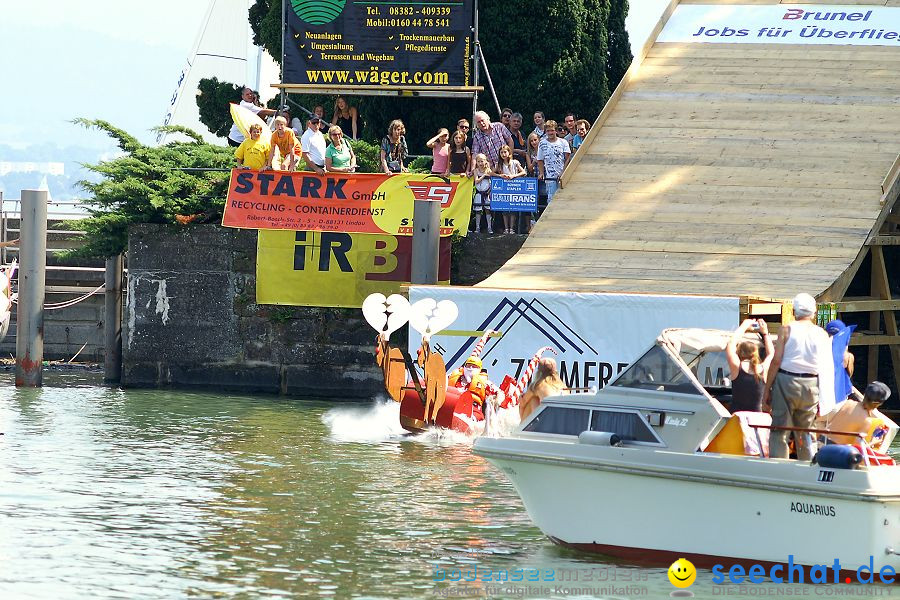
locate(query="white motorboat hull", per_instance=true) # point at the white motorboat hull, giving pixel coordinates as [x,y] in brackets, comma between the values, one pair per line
[711,508]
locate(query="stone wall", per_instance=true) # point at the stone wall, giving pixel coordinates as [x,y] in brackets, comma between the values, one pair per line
[191,319]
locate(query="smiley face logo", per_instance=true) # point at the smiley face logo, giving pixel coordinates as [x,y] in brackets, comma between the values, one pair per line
[682,573]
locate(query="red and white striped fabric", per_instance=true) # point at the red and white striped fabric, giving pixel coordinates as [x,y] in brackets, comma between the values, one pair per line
[479,347]
[526,375]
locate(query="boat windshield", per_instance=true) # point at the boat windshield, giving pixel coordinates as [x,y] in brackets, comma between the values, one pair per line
[711,369]
[656,370]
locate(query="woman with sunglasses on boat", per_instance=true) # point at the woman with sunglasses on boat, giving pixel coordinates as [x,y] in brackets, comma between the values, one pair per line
[339,157]
[747,372]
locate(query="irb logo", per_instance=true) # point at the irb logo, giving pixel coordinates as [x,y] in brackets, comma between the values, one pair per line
[435,191]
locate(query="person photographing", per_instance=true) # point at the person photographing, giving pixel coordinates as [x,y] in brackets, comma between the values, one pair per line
[748,373]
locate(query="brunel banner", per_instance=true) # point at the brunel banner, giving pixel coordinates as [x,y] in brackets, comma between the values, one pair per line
[311,268]
[347,203]
[859,25]
[353,43]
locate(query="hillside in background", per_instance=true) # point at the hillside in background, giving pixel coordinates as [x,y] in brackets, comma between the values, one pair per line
[13,179]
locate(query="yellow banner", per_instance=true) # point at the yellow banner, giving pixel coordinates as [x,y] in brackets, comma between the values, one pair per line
[324,268]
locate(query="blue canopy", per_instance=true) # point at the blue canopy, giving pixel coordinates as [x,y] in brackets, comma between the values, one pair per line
[842,384]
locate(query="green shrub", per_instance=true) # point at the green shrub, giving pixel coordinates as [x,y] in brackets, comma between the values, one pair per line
[368,156]
[151,184]
[421,164]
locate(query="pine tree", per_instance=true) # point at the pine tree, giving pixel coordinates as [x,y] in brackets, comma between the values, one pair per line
[212,103]
[152,184]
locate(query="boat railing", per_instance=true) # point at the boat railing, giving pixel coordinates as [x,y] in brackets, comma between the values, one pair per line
[826,432]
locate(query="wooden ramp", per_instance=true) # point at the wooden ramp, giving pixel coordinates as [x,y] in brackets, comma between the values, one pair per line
[752,170]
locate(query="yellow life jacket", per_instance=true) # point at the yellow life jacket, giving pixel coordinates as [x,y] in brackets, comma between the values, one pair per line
[478,385]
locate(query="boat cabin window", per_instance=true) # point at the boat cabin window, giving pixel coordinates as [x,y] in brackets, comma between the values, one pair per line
[656,370]
[629,426]
[711,370]
[560,420]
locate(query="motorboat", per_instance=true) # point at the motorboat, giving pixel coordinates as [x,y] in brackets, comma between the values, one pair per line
[654,467]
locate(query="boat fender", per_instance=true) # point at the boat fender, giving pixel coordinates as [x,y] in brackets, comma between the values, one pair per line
[837,456]
[599,438]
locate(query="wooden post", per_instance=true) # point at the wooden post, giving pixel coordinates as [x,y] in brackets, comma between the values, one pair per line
[881,290]
[112,321]
[426,242]
[30,309]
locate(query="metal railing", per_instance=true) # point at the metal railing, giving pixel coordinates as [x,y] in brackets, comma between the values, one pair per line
[57,240]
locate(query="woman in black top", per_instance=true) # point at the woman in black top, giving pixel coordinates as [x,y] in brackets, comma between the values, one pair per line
[346,117]
[748,373]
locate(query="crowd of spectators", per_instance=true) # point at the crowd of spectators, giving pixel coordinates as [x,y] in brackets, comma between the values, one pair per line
[494,149]
[502,149]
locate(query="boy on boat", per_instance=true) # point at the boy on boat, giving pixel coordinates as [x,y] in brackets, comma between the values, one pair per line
[856,417]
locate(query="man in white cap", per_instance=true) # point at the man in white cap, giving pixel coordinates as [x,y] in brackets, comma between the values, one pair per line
[800,384]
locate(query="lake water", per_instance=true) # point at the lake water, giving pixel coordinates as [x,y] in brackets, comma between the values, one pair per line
[107,493]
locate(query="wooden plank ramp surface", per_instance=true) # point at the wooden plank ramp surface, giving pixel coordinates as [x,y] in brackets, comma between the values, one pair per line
[728,169]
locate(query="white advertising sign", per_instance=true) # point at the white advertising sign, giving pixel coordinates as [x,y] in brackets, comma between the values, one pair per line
[596,336]
[784,24]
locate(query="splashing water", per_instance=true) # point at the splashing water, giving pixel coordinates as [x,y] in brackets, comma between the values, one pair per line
[380,422]
[377,423]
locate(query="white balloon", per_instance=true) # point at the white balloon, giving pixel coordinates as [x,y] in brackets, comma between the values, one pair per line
[420,312]
[445,314]
[386,315]
[373,308]
[398,313]
[428,317]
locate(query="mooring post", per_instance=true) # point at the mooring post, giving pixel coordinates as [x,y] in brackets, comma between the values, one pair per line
[426,241]
[30,309]
[112,321]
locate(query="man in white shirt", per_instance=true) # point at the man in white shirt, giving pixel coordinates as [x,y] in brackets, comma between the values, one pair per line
[800,384]
[313,146]
[235,137]
[552,157]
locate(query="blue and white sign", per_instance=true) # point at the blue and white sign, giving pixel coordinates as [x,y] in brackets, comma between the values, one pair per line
[855,25]
[513,195]
[596,336]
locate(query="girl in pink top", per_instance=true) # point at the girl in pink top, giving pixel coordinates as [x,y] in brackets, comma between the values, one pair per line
[440,151]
